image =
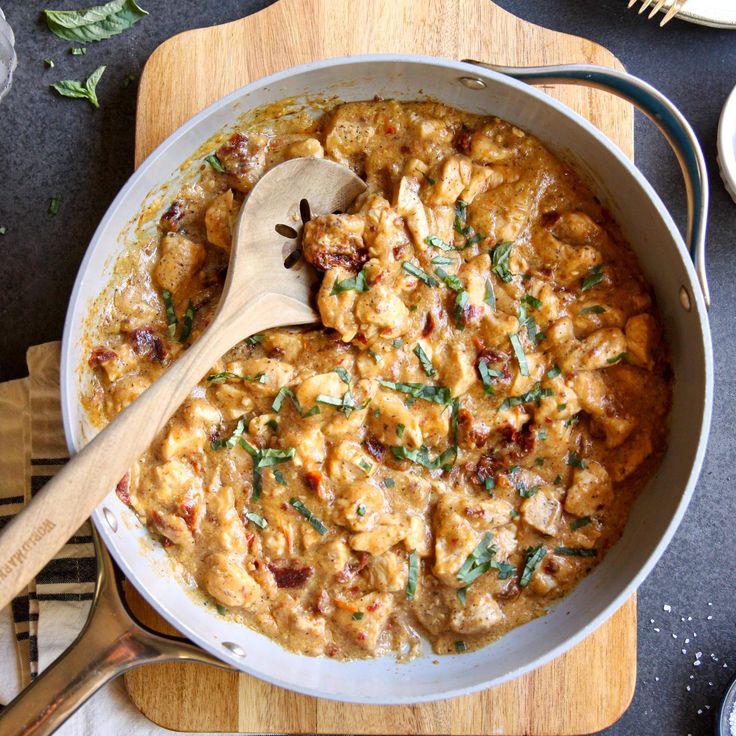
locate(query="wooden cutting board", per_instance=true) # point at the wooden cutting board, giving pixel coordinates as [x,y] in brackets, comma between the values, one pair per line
[581,692]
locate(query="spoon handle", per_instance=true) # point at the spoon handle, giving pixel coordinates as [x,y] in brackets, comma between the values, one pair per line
[34,536]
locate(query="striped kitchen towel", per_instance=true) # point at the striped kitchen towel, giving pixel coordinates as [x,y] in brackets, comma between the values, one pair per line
[32,449]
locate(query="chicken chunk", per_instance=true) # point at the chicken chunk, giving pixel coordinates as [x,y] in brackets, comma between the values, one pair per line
[218,220]
[180,260]
[228,582]
[335,240]
[590,490]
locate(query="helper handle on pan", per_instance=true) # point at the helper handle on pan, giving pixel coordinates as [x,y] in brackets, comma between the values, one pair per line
[111,643]
[663,113]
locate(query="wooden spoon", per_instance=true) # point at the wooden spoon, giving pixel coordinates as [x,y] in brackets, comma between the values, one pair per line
[259,292]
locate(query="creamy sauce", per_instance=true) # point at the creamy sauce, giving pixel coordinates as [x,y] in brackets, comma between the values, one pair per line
[459,445]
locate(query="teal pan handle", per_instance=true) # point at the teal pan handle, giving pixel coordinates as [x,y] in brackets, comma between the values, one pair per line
[663,113]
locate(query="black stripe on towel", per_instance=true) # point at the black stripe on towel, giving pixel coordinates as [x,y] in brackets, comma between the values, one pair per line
[11,499]
[66,596]
[49,460]
[68,570]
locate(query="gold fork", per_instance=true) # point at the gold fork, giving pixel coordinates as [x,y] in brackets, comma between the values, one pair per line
[673,10]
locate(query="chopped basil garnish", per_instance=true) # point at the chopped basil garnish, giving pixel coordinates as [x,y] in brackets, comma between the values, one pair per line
[421,457]
[170,313]
[575,461]
[460,593]
[532,557]
[309,516]
[345,405]
[519,353]
[228,376]
[454,419]
[595,309]
[128,79]
[618,358]
[220,609]
[264,459]
[594,277]
[541,434]
[411,581]
[437,394]
[428,178]
[77,51]
[375,356]
[94,24]
[397,342]
[360,510]
[490,297]
[278,401]
[478,562]
[461,301]
[500,260]
[505,569]
[358,616]
[554,371]
[257,519]
[186,326]
[86,90]
[366,467]
[358,283]
[539,461]
[534,394]
[49,63]
[576,551]
[461,216]
[532,301]
[279,476]
[389,482]
[436,242]
[453,282]
[232,439]
[460,646]
[525,492]
[487,375]
[580,523]
[442,261]
[558,480]
[419,273]
[400,430]
[253,340]
[424,360]
[215,163]
[54,203]
[344,375]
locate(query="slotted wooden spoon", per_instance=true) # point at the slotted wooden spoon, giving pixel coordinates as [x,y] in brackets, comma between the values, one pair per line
[260,291]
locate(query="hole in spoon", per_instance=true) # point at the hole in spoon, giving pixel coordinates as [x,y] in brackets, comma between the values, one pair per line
[305,211]
[291,260]
[286,231]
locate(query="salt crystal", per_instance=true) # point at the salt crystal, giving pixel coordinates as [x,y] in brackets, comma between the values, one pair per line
[692,677]
[667,607]
[709,603]
[656,679]
[687,687]
[696,663]
[698,655]
[651,620]
[709,618]
[689,618]
[674,636]
[682,618]
[657,630]
[700,710]
[687,641]
[707,707]
[684,651]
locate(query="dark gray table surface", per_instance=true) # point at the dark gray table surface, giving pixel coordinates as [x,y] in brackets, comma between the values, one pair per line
[52,145]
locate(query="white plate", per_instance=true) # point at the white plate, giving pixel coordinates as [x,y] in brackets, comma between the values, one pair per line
[714,13]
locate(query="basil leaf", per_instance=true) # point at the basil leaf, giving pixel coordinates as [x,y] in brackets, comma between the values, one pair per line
[186,327]
[505,569]
[411,581]
[421,457]
[500,260]
[460,646]
[268,458]
[533,556]
[478,561]
[419,273]
[424,360]
[170,313]
[253,340]
[437,242]
[49,63]
[428,179]
[78,90]
[346,404]
[215,163]
[575,461]
[453,282]
[576,551]
[279,476]
[487,375]
[285,391]
[595,309]
[309,516]
[54,204]
[77,51]
[519,352]
[355,284]
[525,492]
[454,420]
[532,301]
[257,519]
[554,371]
[618,358]
[358,616]
[232,439]
[344,375]
[228,376]
[580,523]
[490,297]
[94,24]
[437,394]
[461,301]
[534,394]
[442,261]
[594,277]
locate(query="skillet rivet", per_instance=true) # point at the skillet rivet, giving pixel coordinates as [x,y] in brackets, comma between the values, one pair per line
[685,299]
[473,82]
[110,518]
[234,648]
